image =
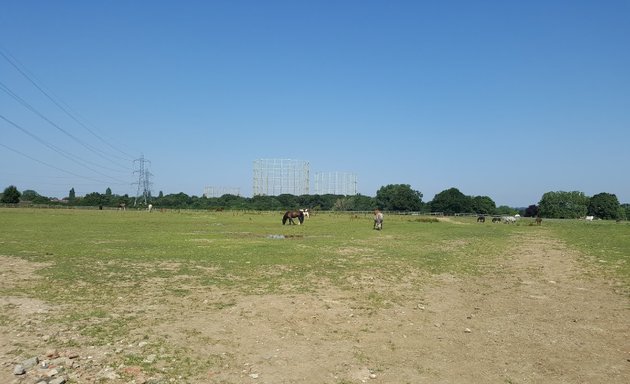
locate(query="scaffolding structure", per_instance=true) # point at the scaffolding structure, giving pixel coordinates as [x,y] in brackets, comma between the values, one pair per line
[273,177]
[210,191]
[336,183]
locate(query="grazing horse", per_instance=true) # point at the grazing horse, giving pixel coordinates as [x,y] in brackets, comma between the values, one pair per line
[589,218]
[122,207]
[481,219]
[538,220]
[150,207]
[290,215]
[509,219]
[306,213]
[378,220]
[496,219]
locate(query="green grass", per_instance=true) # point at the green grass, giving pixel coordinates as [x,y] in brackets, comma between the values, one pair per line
[106,254]
[602,243]
[98,264]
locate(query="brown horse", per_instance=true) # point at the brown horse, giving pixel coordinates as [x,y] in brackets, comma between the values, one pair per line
[538,220]
[290,215]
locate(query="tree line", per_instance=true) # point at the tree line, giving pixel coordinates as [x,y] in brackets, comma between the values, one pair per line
[393,197]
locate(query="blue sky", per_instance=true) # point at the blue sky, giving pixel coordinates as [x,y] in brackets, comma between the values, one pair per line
[504,99]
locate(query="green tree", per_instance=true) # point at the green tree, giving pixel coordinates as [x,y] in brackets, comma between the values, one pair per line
[265,203]
[531,211]
[288,201]
[483,205]
[563,205]
[451,201]
[604,206]
[361,203]
[11,195]
[505,210]
[71,195]
[34,197]
[398,197]
[93,199]
[341,204]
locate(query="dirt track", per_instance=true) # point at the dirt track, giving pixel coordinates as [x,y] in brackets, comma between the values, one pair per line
[539,318]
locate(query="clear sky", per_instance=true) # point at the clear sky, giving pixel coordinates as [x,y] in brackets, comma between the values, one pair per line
[506,99]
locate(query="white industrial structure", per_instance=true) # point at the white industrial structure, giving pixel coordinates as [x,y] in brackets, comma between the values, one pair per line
[220,191]
[336,183]
[273,177]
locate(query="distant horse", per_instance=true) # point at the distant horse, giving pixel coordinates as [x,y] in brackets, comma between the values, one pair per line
[150,207]
[481,219]
[290,215]
[496,219]
[306,213]
[589,218]
[509,219]
[378,220]
[538,220]
[122,207]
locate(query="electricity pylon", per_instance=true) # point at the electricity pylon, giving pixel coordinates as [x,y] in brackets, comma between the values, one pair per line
[144,185]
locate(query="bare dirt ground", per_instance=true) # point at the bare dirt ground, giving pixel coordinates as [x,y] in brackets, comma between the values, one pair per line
[541,317]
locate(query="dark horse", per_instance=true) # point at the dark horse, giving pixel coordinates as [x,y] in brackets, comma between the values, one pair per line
[481,219]
[290,215]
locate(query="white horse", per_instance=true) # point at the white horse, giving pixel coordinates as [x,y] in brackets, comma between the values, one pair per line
[589,218]
[378,220]
[150,207]
[509,219]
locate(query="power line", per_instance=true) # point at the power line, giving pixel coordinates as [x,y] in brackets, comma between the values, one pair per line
[35,111]
[60,151]
[52,166]
[14,62]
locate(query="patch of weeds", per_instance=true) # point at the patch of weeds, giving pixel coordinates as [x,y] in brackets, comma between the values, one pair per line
[360,356]
[102,333]
[180,292]
[425,220]
[222,305]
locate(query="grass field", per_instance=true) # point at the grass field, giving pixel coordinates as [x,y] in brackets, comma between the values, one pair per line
[90,260]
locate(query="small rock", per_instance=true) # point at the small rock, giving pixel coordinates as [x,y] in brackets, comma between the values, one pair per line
[467,330]
[372,376]
[150,359]
[30,363]
[58,380]
[253,375]
[142,344]
[19,370]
